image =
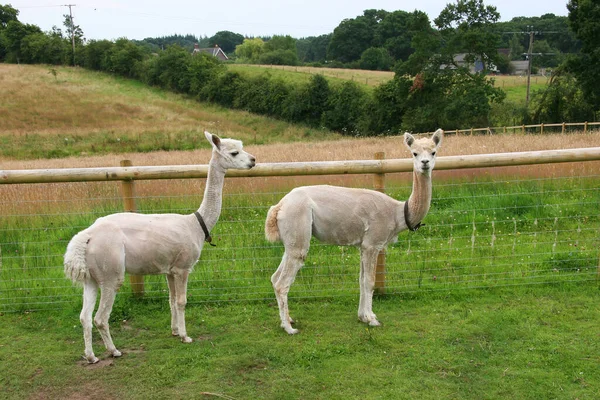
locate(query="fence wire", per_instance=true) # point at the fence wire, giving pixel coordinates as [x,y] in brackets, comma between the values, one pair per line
[485,229]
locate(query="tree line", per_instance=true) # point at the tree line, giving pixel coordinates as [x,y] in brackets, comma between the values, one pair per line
[430,89]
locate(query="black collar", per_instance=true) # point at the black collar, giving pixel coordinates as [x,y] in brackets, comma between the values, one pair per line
[412,228]
[207,237]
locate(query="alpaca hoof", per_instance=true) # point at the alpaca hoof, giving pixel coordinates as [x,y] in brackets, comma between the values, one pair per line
[289,329]
[116,353]
[374,323]
[186,339]
[175,332]
[92,359]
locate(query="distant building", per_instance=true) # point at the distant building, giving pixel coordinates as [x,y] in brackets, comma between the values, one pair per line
[213,51]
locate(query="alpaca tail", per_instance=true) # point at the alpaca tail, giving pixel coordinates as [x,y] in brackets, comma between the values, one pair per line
[76,268]
[271,228]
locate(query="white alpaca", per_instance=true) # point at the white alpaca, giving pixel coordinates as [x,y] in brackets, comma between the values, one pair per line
[148,244]
[364,218]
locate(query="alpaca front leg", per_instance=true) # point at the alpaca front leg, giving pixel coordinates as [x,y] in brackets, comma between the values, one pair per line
[368,260]
[180,281]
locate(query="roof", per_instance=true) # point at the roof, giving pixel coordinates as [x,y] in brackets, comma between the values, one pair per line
[213,51]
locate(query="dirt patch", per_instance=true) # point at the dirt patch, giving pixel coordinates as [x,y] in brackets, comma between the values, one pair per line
[87,391]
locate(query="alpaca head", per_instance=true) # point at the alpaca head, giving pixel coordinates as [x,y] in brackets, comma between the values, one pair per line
[424,150]
[230,153]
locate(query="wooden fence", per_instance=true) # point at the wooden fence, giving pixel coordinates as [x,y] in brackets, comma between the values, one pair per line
[127,173]
[537,128]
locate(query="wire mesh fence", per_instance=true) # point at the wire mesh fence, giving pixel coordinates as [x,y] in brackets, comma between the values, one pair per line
[488,227]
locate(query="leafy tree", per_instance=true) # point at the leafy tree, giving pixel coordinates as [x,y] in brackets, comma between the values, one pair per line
[74,34]
[40,48]
[124,58]
[250,50]
[466,28]
[345,108]
[313,49]
[426,94]
[202,69]
[353,36]
[97,54]
[7,14]
[584,18]
[375,58]
[516,48]
[13,35]
[562,100]
[280,43]
[279,57]
[226,40]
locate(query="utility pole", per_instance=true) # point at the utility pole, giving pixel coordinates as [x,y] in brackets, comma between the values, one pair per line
[73,30]
[529,59]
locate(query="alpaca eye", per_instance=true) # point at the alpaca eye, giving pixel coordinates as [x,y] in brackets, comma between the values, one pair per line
[415,154]
[433,153]
[234,153]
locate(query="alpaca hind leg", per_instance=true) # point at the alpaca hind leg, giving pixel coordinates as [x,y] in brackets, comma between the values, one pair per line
[180,280]
[282,281]
[173,305]
[90,292]
[107,299]
[368,260]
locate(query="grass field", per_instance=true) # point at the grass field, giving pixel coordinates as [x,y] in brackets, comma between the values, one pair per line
[496,297]
[525,343]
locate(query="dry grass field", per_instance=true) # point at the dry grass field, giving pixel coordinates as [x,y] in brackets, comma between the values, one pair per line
[80,103]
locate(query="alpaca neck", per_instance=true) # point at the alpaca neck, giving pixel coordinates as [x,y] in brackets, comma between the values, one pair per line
[210,209]
[420,198]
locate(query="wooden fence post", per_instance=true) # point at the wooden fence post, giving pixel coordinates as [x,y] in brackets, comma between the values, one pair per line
[137,281]
[379,185]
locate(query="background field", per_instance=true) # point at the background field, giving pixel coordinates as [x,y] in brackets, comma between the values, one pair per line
[497,297]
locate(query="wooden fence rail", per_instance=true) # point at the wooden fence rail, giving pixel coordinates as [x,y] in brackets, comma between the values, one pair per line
[296,168]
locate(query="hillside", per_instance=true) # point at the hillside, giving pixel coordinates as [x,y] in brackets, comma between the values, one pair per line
[79,112]
[85,119]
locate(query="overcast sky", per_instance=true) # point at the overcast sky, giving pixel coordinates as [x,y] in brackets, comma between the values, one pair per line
[138,19]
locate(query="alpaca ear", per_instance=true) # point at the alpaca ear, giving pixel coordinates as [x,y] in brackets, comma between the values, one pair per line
[214,140]
[408,139]
[437,137]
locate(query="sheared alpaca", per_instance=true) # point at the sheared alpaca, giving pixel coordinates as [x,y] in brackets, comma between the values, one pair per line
[148,244]
[363,218]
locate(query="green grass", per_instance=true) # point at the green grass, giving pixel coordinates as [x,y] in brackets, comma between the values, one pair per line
[486,233]
[523,343]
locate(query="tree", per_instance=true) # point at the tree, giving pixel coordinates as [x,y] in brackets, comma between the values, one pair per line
[280,43]
[250,50]
[353,36]
[562,100]
[430,90]
[226,40]
[13,35]
[466,27]
[279,57]
[516,49]
[75,35]
[584,18]
[313,49]
[7,14]
[376,59]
